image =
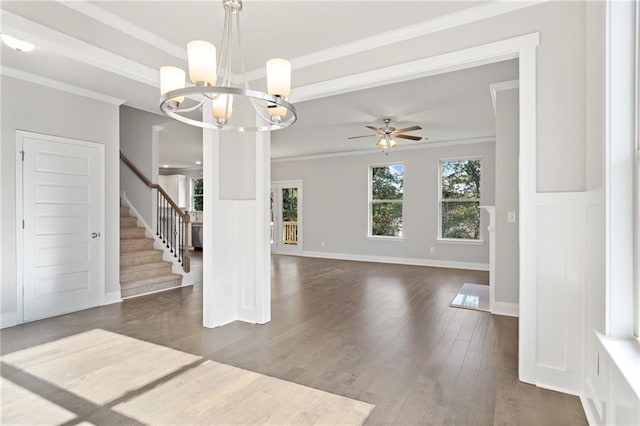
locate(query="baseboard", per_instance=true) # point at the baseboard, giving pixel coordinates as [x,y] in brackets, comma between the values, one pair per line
[9,319]
[398,260]
[559,380]
[112,297]
[590,411]
[507,309]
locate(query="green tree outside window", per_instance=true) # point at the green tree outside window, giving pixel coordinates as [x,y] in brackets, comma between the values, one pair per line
[386,200]
[460,199]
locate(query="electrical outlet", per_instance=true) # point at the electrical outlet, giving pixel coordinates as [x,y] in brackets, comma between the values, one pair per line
[511,217]
[432,249]
[322,243]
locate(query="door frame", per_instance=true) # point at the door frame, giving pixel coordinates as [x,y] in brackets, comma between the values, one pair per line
[20,136]
[287,184]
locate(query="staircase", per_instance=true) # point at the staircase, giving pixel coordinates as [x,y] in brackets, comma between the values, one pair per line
[142,269]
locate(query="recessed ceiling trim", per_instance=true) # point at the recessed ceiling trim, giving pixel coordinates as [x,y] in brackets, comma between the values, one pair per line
[505,85]
[55,84]
[114,21]
[448,62]
[424,145]
[78,50]
[409,32]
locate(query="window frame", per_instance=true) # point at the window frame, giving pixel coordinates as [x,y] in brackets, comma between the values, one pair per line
[193,195]
[371,201]
[439,236]
[636,181]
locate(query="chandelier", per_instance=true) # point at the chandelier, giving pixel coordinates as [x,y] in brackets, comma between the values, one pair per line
[212,83]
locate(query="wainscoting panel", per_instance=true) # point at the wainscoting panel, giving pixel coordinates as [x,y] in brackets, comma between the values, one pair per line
[560,291]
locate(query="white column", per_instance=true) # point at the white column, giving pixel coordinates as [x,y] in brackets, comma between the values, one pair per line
[236,257]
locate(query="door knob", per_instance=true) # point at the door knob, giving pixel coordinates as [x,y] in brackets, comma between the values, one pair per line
[95,234]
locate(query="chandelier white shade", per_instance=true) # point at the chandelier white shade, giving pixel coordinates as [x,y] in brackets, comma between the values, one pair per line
[213,83]
[202,62]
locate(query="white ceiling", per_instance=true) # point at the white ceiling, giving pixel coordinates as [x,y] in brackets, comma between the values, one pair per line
[115,49]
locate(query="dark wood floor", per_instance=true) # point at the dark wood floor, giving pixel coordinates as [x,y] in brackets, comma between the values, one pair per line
[383,334]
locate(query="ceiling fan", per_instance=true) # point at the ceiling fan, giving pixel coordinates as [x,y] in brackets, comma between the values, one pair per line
[387,133]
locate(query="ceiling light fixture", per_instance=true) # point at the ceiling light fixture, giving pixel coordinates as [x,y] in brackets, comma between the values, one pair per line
[16,44]
[213,84]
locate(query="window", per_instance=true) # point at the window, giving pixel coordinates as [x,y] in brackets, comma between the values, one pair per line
[459,217]
[385,200]
[197,194]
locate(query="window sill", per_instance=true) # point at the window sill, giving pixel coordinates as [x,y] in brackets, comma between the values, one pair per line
[460,241]
[383,238]
[625,354]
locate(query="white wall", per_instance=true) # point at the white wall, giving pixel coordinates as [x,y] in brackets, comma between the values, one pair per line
[336,210]
[138,144]
[507,147]
[34,108]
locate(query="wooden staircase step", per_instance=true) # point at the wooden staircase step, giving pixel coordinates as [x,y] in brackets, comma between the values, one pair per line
[149,285]
[140,257]
[135,244]
[124,211]
[147,270]
[128,222]
[132,233]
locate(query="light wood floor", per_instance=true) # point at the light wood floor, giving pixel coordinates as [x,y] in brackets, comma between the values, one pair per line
[383,334]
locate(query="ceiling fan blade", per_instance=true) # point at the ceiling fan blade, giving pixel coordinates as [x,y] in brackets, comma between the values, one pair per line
[413,138]
[363,136]
[375,129]
[408,129]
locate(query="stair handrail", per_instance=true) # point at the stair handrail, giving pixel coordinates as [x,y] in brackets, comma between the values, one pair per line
[186,218]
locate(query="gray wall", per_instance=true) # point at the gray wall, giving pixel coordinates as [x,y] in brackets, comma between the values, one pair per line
[34,108]
[507,149]
[138,145]
[335,192]
[560,74]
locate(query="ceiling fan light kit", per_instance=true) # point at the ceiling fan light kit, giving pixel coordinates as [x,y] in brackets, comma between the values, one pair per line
[212,83]
[388,133]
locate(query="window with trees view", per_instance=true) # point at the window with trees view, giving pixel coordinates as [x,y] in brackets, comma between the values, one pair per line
[460,199]
[385,200]
[197,194]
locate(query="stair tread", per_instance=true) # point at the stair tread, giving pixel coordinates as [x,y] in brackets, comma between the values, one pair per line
[141,253]
[145,266]
[152,280]
[136,239]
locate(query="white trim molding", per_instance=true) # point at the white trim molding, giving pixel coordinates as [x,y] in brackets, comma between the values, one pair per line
[55,84]
[112,297]
[398,260]
[505,85]
[127,27]
[9,319]
[78,50]
[409,32]
[506,309]
[408,147]
[439,64]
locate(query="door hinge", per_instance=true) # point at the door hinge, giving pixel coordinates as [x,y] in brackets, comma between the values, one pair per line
[22,154]
[22,223]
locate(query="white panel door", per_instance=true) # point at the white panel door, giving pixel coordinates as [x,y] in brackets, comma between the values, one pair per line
[63,208]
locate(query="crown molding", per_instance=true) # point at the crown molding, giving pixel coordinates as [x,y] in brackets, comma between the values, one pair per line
[114,21]
[504,85]
[78,50]
[55,84]
[448,62]
[400,148]
[409,32]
